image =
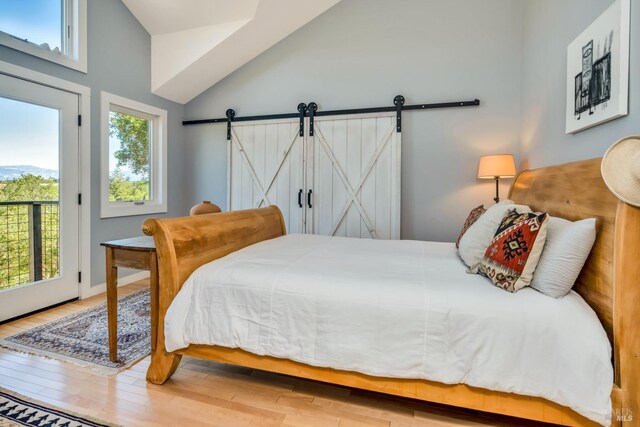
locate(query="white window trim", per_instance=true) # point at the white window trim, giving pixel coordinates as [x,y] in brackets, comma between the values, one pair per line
[158,159]
[75,47]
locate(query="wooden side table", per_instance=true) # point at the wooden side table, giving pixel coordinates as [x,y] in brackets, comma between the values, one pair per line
[138,253]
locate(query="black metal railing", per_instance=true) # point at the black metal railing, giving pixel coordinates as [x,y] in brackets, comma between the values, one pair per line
[29,242]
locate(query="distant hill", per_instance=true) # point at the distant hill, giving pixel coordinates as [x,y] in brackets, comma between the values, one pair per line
[16,171]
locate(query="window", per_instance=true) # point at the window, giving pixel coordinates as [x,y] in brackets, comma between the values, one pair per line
[55,30]
[134,161]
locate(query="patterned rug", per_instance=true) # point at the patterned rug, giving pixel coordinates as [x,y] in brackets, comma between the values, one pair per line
[17,410]
[82,338]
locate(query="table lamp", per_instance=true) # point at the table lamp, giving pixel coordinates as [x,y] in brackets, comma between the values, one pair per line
[496,167]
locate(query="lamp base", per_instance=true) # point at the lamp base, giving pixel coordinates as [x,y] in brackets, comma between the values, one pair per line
[497,198]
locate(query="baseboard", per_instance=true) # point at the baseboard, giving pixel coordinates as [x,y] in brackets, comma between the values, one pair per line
[122,281]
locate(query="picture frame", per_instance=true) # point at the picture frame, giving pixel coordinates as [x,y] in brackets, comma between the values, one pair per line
[598,70]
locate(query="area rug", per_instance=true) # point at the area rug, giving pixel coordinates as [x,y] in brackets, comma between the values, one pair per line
[82,338]
[18,410]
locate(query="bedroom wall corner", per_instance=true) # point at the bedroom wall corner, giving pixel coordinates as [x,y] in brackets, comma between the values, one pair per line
[548,28]
[362,53]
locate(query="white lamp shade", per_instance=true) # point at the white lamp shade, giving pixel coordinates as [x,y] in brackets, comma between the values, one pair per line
[501,165]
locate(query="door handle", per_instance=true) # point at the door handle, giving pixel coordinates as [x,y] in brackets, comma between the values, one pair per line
[309,198]
[300,198]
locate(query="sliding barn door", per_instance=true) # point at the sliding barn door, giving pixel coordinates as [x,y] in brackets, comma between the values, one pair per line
[265,167]
[353,170]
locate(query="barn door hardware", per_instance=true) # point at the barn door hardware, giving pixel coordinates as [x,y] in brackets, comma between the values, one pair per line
[398,107]
[311,111]
[302,110]
[230,115]
[398,101]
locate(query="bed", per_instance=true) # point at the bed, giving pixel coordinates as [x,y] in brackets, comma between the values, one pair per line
[605,288]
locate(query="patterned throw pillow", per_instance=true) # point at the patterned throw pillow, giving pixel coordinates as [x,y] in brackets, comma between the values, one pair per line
[515,250]
[473,217]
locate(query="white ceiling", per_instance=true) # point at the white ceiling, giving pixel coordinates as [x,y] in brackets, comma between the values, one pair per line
[196,43]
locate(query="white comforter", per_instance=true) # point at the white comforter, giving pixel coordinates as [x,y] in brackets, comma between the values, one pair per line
[403,309]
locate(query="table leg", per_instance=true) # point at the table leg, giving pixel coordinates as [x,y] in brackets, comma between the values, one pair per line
[112,305]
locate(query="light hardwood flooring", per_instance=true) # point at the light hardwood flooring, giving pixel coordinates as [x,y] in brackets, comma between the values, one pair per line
[203,393]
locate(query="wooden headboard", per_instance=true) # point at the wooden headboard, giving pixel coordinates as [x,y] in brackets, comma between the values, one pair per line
[576,191]
[610,279]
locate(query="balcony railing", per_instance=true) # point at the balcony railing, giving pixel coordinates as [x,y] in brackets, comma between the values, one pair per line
[29,242]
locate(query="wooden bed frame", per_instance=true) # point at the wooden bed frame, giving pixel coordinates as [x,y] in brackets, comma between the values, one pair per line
[609,282]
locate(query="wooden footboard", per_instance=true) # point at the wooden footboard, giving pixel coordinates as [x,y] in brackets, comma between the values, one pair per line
[184,244]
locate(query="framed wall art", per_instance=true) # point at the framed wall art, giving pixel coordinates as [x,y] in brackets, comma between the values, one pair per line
[598,70]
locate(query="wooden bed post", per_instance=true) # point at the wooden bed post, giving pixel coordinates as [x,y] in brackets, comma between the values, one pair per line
[627,313]
[163,364]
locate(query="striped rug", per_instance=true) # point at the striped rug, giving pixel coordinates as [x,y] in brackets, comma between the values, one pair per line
[17,410]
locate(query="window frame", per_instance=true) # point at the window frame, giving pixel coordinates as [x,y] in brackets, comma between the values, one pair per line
[74,47]
[158,158]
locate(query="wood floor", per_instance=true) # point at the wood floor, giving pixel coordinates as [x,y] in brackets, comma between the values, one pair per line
[203,393]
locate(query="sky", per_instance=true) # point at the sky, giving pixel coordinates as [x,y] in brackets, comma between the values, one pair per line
[29,133]
[38,21]
[29,136]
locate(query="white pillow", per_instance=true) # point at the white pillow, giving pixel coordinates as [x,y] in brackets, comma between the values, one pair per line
[478,237]
[567,247]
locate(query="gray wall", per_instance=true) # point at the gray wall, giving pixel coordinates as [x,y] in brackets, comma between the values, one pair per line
[511,54]
[119,58]
[548,27]
[362,53]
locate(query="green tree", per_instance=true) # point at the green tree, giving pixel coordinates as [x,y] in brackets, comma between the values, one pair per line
[15,235]
[29,187]
[133,134]
[122,189]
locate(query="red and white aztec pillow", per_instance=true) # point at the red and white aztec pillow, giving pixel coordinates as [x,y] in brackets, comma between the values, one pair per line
[515,250]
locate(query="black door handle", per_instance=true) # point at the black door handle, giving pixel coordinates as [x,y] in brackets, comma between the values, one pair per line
[309,198]
[300,198]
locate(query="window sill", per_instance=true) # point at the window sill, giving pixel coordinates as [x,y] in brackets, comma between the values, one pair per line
[35,50]
[115,210]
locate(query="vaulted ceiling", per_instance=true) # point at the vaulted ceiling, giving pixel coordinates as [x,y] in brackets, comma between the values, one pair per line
[196,43]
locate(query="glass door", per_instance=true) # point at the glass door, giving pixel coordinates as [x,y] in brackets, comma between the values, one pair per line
[39,212]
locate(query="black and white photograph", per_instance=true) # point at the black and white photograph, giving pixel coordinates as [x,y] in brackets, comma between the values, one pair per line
[598,70]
